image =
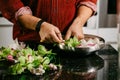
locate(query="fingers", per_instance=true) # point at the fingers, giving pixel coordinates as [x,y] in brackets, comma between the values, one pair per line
[80,36]
[47,40]
[57,36]
[42,39]
[68,35]
[51,39]
[53,36]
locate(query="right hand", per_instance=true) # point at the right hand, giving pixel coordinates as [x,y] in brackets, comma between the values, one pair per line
[50,33]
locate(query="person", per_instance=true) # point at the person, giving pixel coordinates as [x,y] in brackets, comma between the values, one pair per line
[47,20]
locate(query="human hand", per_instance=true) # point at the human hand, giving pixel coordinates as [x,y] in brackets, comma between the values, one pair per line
[50,33]
[83,14]
[74,30]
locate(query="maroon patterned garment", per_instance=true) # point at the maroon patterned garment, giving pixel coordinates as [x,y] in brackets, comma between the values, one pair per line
[58,12]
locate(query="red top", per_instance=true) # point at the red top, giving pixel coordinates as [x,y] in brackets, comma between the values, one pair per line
[58,12]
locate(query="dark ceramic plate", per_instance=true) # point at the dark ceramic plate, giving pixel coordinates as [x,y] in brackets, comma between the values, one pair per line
[81,51]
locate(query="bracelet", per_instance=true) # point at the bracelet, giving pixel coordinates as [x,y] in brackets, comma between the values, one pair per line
[37,28]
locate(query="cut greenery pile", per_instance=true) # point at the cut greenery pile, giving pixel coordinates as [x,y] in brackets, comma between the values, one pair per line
[26,59]
[70,44]
[35,61]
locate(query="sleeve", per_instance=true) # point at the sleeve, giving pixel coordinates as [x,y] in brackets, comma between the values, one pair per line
[89,3]
[9,7]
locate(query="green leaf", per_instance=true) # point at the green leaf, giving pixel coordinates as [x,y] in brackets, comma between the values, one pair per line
[22,60]
[72,42]
[5,52]
[36,63]
[40,58]
[16,69]
[46,60]
[30,66]
[27,51]
[42,48]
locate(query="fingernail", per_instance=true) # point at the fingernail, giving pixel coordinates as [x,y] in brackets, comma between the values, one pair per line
[41,40]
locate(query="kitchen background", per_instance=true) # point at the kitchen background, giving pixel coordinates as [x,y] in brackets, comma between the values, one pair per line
[103,24]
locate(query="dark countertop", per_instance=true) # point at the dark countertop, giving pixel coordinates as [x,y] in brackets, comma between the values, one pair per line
[103,65]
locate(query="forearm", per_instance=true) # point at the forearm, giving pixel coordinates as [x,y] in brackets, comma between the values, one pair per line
[47,33]
[75,28]
[83,14]
[28,21]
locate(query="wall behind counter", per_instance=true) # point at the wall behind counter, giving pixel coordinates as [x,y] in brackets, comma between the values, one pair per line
[5,32]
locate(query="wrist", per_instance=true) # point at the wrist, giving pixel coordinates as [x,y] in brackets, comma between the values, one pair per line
[38,25]
[78,21]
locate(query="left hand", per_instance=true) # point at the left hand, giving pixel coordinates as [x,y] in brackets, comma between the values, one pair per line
[83,14]
[75,30]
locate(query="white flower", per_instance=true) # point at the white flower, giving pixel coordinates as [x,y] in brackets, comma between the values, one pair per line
[52,66]
[37,71]
[16,45]
[30,59]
